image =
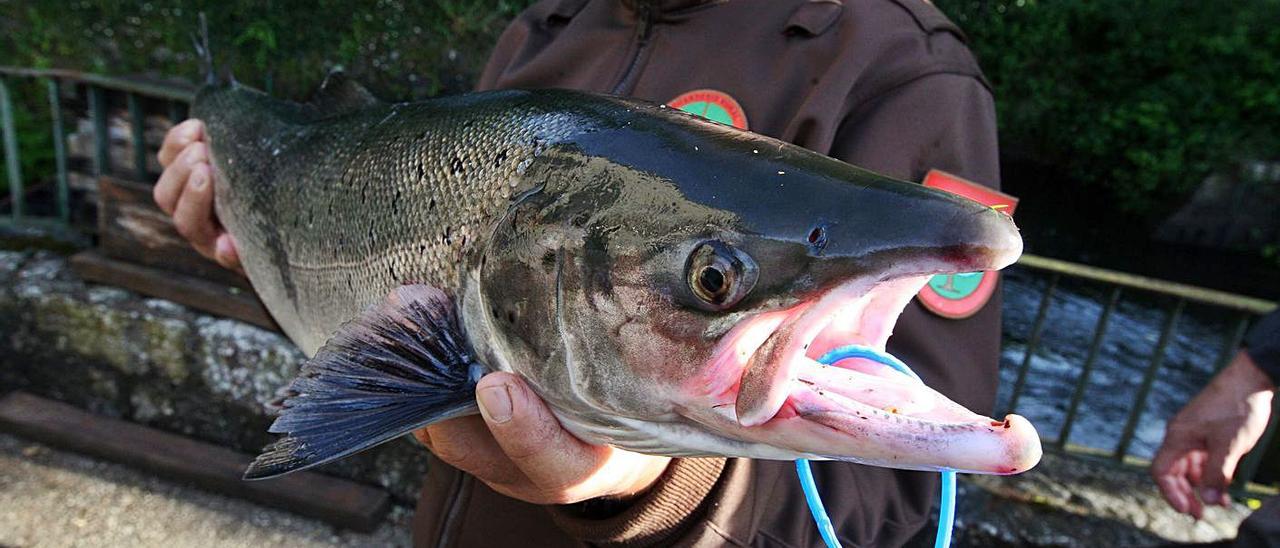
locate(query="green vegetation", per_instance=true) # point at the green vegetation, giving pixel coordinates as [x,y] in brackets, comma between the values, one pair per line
[401,48]
[1138,99]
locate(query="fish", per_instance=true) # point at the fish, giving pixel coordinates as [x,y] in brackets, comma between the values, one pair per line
[664,282]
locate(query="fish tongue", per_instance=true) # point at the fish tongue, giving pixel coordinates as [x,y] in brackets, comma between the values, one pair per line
[900,394]
[880,387]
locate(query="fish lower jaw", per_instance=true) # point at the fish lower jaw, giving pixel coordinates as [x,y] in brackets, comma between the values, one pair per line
[888,419]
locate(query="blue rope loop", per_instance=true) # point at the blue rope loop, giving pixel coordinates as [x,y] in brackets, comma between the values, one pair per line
[947,504]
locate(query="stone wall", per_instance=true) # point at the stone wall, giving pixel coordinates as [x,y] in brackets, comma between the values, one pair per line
[158,363]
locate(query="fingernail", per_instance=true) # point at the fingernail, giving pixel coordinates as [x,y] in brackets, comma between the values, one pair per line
[495,403]
[1211,495]
[198,179]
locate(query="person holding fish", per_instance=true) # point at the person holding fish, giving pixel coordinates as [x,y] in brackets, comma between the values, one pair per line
[888,85]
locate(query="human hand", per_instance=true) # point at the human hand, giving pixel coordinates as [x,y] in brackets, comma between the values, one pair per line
[185,192]
[1206,439]
[518,448]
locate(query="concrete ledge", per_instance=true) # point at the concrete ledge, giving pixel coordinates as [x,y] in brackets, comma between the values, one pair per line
[340,502]
[150,361]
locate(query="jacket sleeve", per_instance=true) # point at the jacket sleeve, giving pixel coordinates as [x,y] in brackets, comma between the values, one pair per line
[661,514]
[1263,345]
[941,120]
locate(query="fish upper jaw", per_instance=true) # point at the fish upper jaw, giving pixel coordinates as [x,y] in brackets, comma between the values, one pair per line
[764,385]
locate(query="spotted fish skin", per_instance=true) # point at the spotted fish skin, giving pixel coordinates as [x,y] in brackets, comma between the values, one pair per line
[332,209]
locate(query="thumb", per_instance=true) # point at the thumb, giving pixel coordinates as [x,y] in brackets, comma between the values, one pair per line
[531,436]
[523,425]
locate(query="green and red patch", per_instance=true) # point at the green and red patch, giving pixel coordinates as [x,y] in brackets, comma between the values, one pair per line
[961,295]
[713,105]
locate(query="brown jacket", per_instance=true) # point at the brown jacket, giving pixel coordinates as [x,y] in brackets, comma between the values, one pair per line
[884,84]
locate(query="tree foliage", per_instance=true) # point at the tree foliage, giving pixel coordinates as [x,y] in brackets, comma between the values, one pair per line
[401,48]
[1139,99]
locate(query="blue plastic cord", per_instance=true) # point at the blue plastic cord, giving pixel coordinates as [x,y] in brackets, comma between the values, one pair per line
[946,507]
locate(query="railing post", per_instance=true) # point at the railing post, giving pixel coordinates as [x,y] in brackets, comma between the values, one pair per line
[137,134]
[12,167]
[101,139]
[1231,344]
[1157,358]
[177,112]
[59,150]
[1033,341]
[1087,369]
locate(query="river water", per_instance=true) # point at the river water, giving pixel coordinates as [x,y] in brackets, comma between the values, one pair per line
[1126,352]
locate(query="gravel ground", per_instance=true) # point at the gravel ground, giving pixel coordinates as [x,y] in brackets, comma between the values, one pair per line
[54,498]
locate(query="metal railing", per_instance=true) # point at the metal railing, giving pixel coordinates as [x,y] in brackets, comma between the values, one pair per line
[179,98]
[1243,310]
[96,88]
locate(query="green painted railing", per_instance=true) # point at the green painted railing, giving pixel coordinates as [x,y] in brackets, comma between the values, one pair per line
[97,87]
[97,90]
[1243,309]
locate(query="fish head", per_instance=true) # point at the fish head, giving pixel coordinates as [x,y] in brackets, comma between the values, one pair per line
[668,285]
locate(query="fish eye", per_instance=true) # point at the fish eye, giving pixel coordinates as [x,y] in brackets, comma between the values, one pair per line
[719,275]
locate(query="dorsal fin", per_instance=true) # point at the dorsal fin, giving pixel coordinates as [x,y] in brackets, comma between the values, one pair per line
[200,41]
[339,94]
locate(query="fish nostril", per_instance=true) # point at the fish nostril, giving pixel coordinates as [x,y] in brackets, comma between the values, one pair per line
[818,237]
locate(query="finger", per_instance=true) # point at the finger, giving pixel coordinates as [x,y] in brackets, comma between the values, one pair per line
[1195,466]
[466,444]
[178,138]
[193,216]
[1172,482]
[423,435]
[225,253]
[173,180]
[1219,468]
[565,468]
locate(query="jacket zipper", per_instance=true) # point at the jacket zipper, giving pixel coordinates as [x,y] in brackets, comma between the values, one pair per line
[644,31]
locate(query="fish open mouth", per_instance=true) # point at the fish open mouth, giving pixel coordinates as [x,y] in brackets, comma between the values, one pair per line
[858,409]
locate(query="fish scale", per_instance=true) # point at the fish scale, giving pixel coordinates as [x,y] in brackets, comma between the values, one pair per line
[333,211]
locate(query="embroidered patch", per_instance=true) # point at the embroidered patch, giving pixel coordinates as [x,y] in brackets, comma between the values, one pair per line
[713,105]
[961,295]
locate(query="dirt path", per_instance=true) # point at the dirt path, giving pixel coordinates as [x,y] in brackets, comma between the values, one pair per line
[54,498]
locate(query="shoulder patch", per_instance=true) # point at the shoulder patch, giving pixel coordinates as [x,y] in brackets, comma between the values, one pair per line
[713,105]
[961,295]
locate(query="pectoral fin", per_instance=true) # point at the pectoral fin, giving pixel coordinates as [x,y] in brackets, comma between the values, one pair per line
[401,365]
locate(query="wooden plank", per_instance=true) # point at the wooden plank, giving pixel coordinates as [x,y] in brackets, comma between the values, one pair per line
[232,302]
[132,228]
[338,501]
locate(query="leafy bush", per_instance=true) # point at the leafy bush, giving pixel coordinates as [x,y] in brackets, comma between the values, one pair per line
[1140,99]
[401,48]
